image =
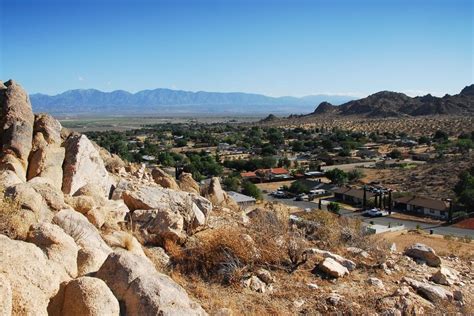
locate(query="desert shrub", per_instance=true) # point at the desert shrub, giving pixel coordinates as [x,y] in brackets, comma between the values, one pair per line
[220,256]
[14,222]
[225,254]
[467,239]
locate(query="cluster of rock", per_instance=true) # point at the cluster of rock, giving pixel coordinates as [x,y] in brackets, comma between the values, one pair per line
[65,249]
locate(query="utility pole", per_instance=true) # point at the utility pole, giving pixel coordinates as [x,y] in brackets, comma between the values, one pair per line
[389,201]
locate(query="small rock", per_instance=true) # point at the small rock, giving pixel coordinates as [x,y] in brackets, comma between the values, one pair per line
[313,286]
[333,268]
[444,276]
[334,299]
[376,282]
[265,276]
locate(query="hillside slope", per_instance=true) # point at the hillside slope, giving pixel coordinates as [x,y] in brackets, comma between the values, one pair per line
[393,104]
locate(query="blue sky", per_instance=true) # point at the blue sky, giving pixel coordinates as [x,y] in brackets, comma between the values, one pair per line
[274,47]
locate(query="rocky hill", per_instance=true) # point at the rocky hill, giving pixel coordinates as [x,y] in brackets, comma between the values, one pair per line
[85,233]
[393,104]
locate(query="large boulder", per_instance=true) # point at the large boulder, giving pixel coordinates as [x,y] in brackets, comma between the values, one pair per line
[194,209]
[93,249]
[424,253]
[218,196]
[58,247]
[16,128]
[32,278]
[47,155]
[158,225]
[144,291]
[445,276]
[5,296]
[25,207]
[87,296]
[433,293]
[332,268]
[188,184]
[53,196]
[163,179]
[83,165]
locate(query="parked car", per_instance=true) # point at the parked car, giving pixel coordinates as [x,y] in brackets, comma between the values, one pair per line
[301,197]
[375,212]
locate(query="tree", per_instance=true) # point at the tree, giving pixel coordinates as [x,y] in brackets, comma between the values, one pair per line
[334,207]
[355,175]
[440,136]
[250,189]
[337,176]
[298,187]
[231,183]
[284,162]
[395,154]
[464,189]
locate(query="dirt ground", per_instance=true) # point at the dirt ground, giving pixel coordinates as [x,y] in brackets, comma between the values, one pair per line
[467,223]
[443,245]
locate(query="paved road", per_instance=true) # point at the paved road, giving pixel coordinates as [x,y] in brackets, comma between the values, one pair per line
[437,229]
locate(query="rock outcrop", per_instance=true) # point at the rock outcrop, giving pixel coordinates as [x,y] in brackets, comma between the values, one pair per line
[188,184]
[16,130]
[218,196]
[32,278]
[47,155]
[83,165]
[166,213]
[163,179]
[144,291]
[89,296]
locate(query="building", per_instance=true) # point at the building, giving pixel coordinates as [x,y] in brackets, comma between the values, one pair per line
[242,200]
[273,173]
[251,176]
[352,195]
[423,206]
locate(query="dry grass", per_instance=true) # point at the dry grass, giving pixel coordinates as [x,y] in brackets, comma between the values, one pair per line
[14,221]
[441,245]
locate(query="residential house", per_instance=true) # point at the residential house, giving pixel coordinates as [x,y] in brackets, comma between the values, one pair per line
[242,200]
[423,206]
[352,195]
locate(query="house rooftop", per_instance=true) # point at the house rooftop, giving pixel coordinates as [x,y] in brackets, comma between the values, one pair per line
[240,198]
[423,202]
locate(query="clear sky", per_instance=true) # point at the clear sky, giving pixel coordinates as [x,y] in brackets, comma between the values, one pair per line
[274,47]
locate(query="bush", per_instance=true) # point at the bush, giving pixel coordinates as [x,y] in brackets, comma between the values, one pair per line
[337,176]
[14,222]
[250,189]
[334,207]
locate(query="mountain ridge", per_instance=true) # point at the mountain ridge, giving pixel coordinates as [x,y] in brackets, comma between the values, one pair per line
[168,100]
[396,104]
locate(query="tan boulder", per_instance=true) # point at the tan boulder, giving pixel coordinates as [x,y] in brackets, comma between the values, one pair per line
[93,249]
[5,296]
[424,253]
[16,122]
[158,225]
[433,293]
[58,247]
[163,179]
[87,296]
[27,207]
[47,155]
[188,184]
[83,165]
[9,178]
[332,268]
[53,196]
[31,276]
[144,291]
[445,276]
[218,196]
[194,209]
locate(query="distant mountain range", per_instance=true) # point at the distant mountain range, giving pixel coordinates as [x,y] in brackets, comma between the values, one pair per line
[167,101]
[394,104]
